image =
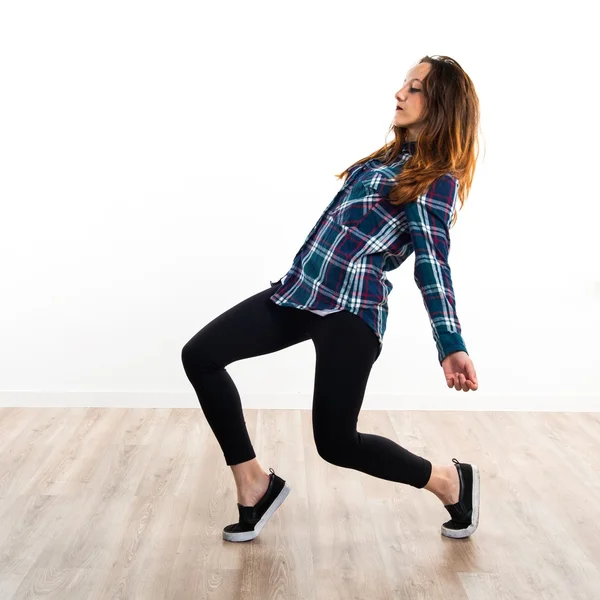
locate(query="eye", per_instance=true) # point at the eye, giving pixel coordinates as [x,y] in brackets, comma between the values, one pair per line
[414,89]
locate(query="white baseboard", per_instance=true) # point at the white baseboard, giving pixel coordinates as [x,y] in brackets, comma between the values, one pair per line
[448,400]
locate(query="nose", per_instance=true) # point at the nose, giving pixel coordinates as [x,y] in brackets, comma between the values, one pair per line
[398,94]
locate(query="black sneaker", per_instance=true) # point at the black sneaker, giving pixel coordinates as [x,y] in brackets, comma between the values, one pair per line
[465,513]
[254,518]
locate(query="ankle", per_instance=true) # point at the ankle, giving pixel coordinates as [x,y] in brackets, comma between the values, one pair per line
[251,484]
[250,493]
[440,482]
[248,474]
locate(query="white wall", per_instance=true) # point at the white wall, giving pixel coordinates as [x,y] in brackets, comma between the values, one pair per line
[163,162]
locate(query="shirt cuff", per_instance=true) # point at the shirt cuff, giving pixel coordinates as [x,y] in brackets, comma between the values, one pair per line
[448,343]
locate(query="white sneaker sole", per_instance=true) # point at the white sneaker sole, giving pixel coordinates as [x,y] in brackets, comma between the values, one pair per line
[463,533]
[244,536]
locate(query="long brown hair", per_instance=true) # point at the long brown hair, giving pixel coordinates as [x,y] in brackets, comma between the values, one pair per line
[447,143]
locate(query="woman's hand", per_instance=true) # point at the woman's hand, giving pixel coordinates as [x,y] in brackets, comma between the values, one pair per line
[460,372]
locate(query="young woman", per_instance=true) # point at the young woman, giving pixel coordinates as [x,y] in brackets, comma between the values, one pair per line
[399,200]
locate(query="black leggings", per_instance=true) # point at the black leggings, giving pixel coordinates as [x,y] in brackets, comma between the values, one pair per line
[346,349]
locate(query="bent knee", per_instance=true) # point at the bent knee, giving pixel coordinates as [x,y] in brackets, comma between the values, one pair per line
[197,357]
[335,449]
[188,353]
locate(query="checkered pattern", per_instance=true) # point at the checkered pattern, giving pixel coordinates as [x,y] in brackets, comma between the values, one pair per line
[360,236]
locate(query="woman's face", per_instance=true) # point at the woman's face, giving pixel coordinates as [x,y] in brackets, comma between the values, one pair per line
[410,98]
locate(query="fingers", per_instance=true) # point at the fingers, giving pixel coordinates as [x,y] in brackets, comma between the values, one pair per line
[459,382]
[471,374]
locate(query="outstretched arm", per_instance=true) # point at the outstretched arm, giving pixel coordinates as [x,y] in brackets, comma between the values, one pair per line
[429,219]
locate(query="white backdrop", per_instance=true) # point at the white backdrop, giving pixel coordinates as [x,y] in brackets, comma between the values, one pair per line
[161,162]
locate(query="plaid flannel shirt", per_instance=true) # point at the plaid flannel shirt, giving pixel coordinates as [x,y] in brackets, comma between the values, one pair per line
[360,236]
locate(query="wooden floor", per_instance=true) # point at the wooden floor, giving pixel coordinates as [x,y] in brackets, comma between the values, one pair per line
[100,503]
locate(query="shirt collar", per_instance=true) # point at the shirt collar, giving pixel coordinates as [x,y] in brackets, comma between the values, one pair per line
[407,148]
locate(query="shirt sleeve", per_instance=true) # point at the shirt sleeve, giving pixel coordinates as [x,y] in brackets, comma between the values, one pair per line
[429,219]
